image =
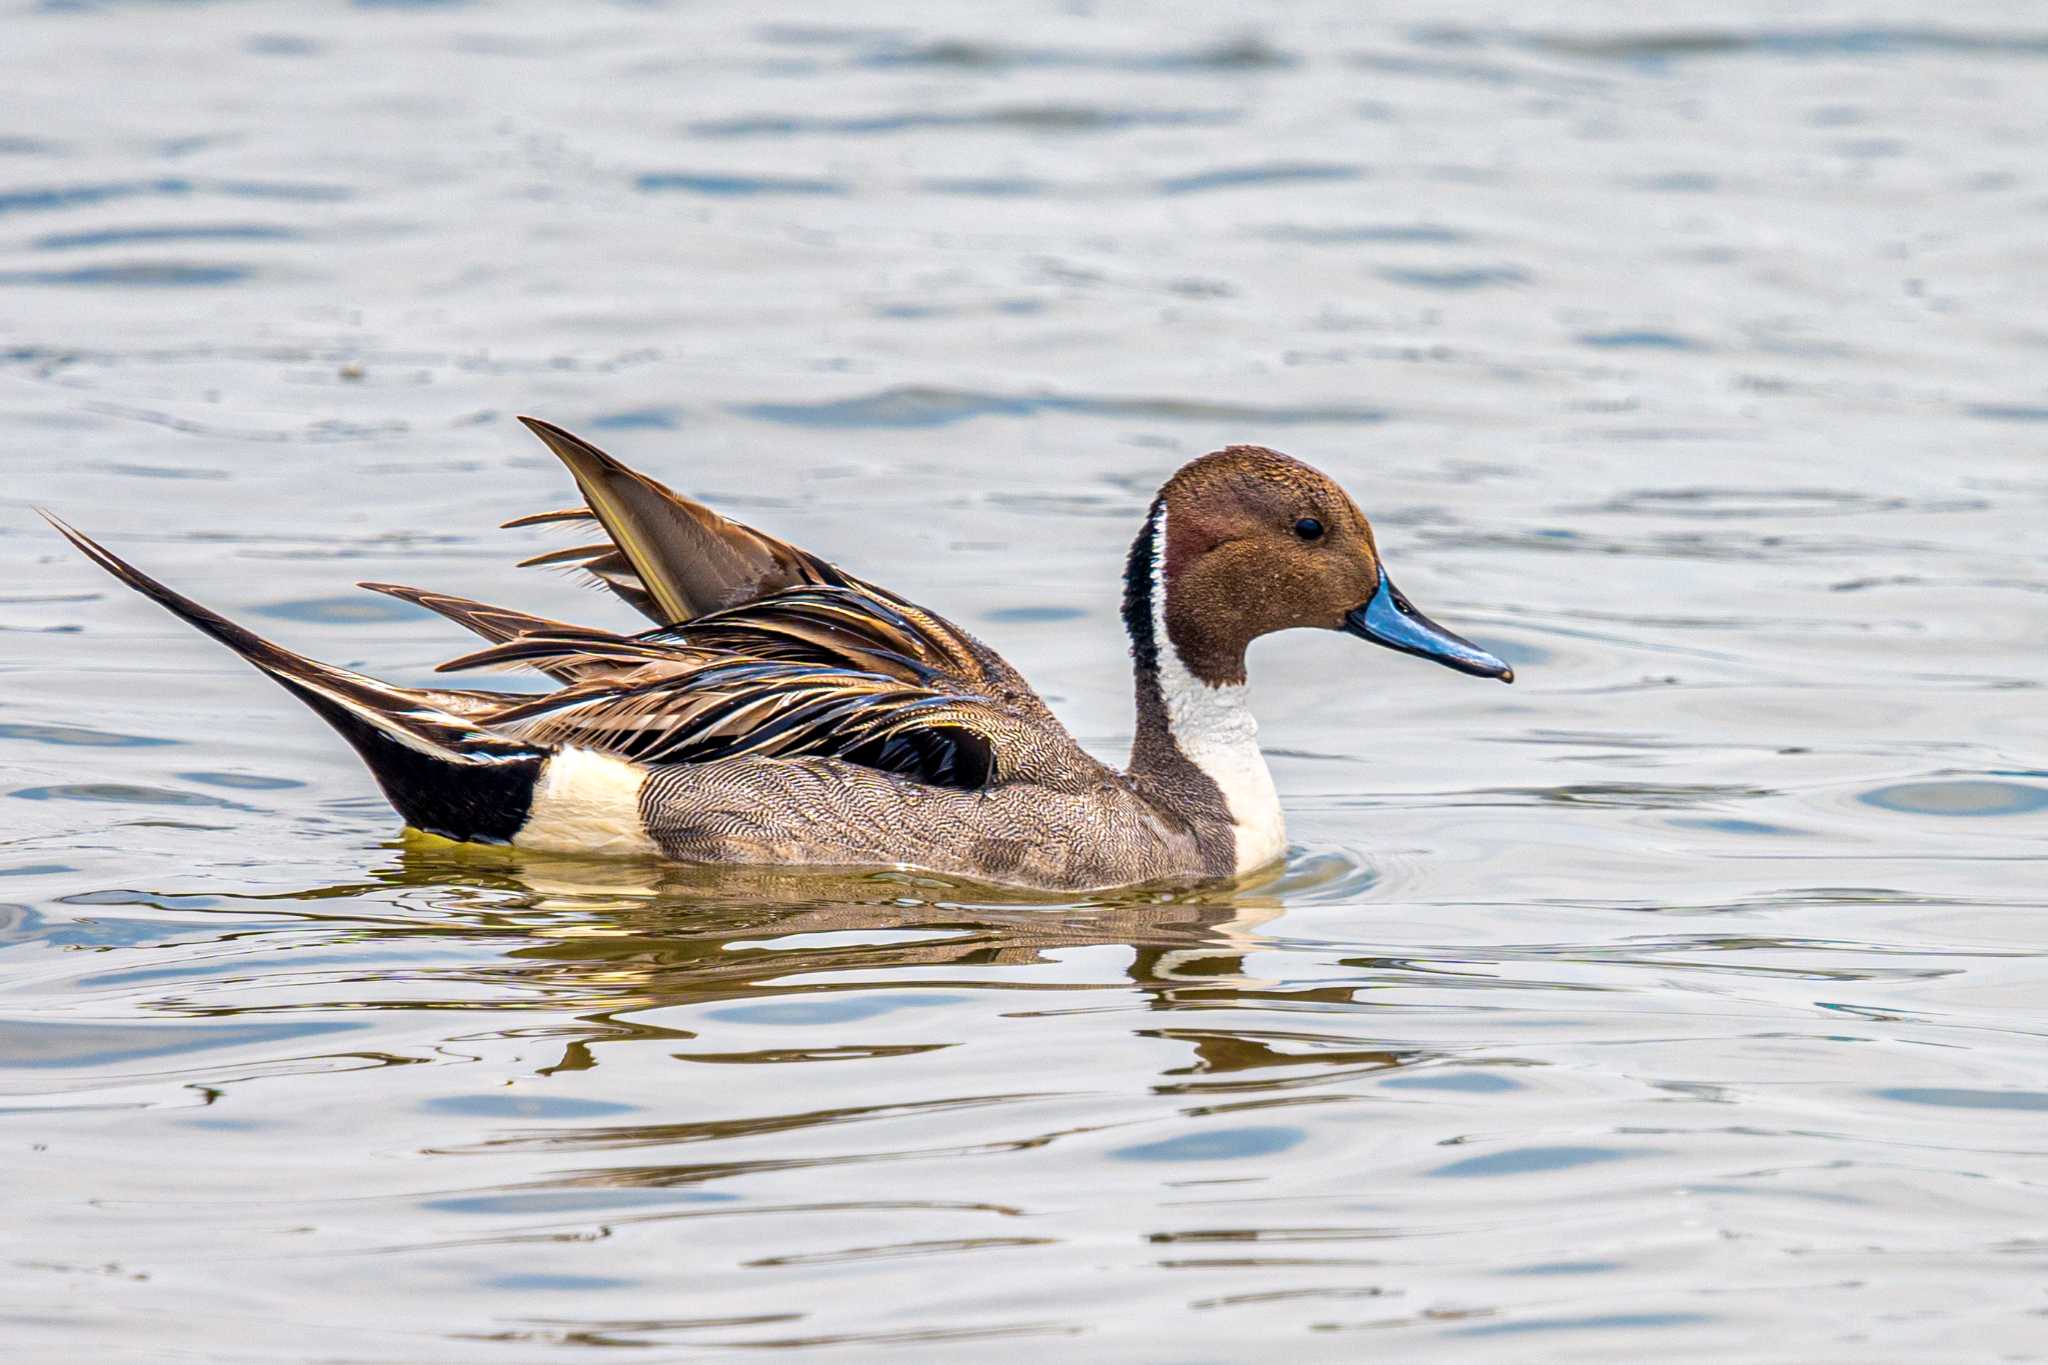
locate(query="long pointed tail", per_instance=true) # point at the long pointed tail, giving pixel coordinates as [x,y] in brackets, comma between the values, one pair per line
[444,772]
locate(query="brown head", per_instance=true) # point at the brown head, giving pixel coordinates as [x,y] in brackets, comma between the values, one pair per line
[1255,542]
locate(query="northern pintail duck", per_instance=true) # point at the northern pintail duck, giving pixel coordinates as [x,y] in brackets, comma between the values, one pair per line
[785,712]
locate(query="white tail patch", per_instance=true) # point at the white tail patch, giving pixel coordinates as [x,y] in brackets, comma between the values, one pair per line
[1214,729]
[586,802]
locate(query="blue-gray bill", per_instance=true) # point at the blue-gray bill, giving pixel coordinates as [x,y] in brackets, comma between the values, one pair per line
[1390,619]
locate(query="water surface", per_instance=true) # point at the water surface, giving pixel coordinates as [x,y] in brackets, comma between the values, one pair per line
[1686,998]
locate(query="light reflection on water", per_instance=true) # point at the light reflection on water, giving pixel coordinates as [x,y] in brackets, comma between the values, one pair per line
[1685,996]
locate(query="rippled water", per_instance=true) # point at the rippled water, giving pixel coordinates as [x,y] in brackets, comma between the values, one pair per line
[1687,997]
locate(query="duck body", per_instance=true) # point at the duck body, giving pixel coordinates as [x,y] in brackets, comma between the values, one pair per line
[826,812]
[785,712]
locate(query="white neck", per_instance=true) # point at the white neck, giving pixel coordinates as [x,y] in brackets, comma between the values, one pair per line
[1214,730]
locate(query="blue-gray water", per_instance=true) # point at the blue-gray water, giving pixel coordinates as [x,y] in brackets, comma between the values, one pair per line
[1687,998]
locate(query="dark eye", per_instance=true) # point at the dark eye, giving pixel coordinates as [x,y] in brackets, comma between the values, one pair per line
[1308,528]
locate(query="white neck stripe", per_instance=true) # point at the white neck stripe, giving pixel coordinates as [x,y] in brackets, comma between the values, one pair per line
[1214,729]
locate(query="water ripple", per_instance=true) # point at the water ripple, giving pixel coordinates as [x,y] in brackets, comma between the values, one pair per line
[726,185]
[935,407]
[1031,118]
[46,198]
[1258,176]
[1228,57]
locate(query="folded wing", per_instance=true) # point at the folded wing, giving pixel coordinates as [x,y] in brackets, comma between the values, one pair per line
[762,650]
[739,707]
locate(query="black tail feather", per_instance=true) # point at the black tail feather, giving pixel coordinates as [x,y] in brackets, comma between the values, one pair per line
[444,773]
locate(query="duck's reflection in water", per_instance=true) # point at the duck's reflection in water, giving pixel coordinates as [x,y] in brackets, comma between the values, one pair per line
[613,954]
[602,940]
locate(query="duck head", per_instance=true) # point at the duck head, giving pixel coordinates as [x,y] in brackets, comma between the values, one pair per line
[1247,541]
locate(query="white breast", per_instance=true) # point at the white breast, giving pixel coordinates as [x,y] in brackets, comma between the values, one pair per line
[1214,728]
